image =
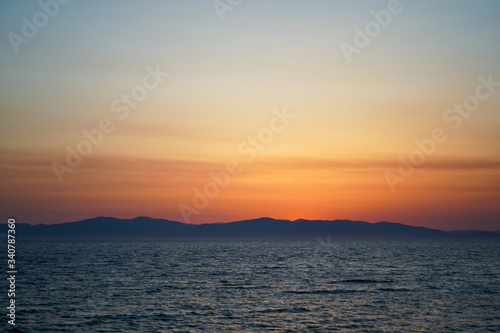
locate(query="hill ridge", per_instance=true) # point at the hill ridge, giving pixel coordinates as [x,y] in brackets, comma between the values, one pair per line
[264,228]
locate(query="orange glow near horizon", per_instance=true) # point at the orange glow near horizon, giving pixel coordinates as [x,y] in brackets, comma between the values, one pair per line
[287,190]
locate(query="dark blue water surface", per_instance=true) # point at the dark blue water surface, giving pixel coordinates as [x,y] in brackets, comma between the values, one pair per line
[258,286]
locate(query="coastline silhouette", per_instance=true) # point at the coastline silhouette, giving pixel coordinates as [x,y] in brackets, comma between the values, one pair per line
[146,228]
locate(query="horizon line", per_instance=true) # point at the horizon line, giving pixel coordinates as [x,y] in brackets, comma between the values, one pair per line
[248,219]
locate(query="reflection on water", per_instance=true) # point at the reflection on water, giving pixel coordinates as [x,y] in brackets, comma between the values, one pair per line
[357,286]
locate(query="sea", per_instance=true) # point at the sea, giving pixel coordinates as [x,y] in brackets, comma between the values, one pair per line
[322,285]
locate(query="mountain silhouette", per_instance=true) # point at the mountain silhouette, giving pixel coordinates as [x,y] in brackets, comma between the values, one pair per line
[146,228]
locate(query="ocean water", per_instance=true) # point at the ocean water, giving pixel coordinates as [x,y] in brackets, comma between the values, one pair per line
[258,286]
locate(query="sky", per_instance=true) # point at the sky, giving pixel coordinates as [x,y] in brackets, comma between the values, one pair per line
[215,111]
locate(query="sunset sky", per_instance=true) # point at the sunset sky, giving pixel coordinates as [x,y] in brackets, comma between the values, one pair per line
[227,79]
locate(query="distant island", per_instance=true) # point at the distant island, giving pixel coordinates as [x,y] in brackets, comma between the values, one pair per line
[146,228]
